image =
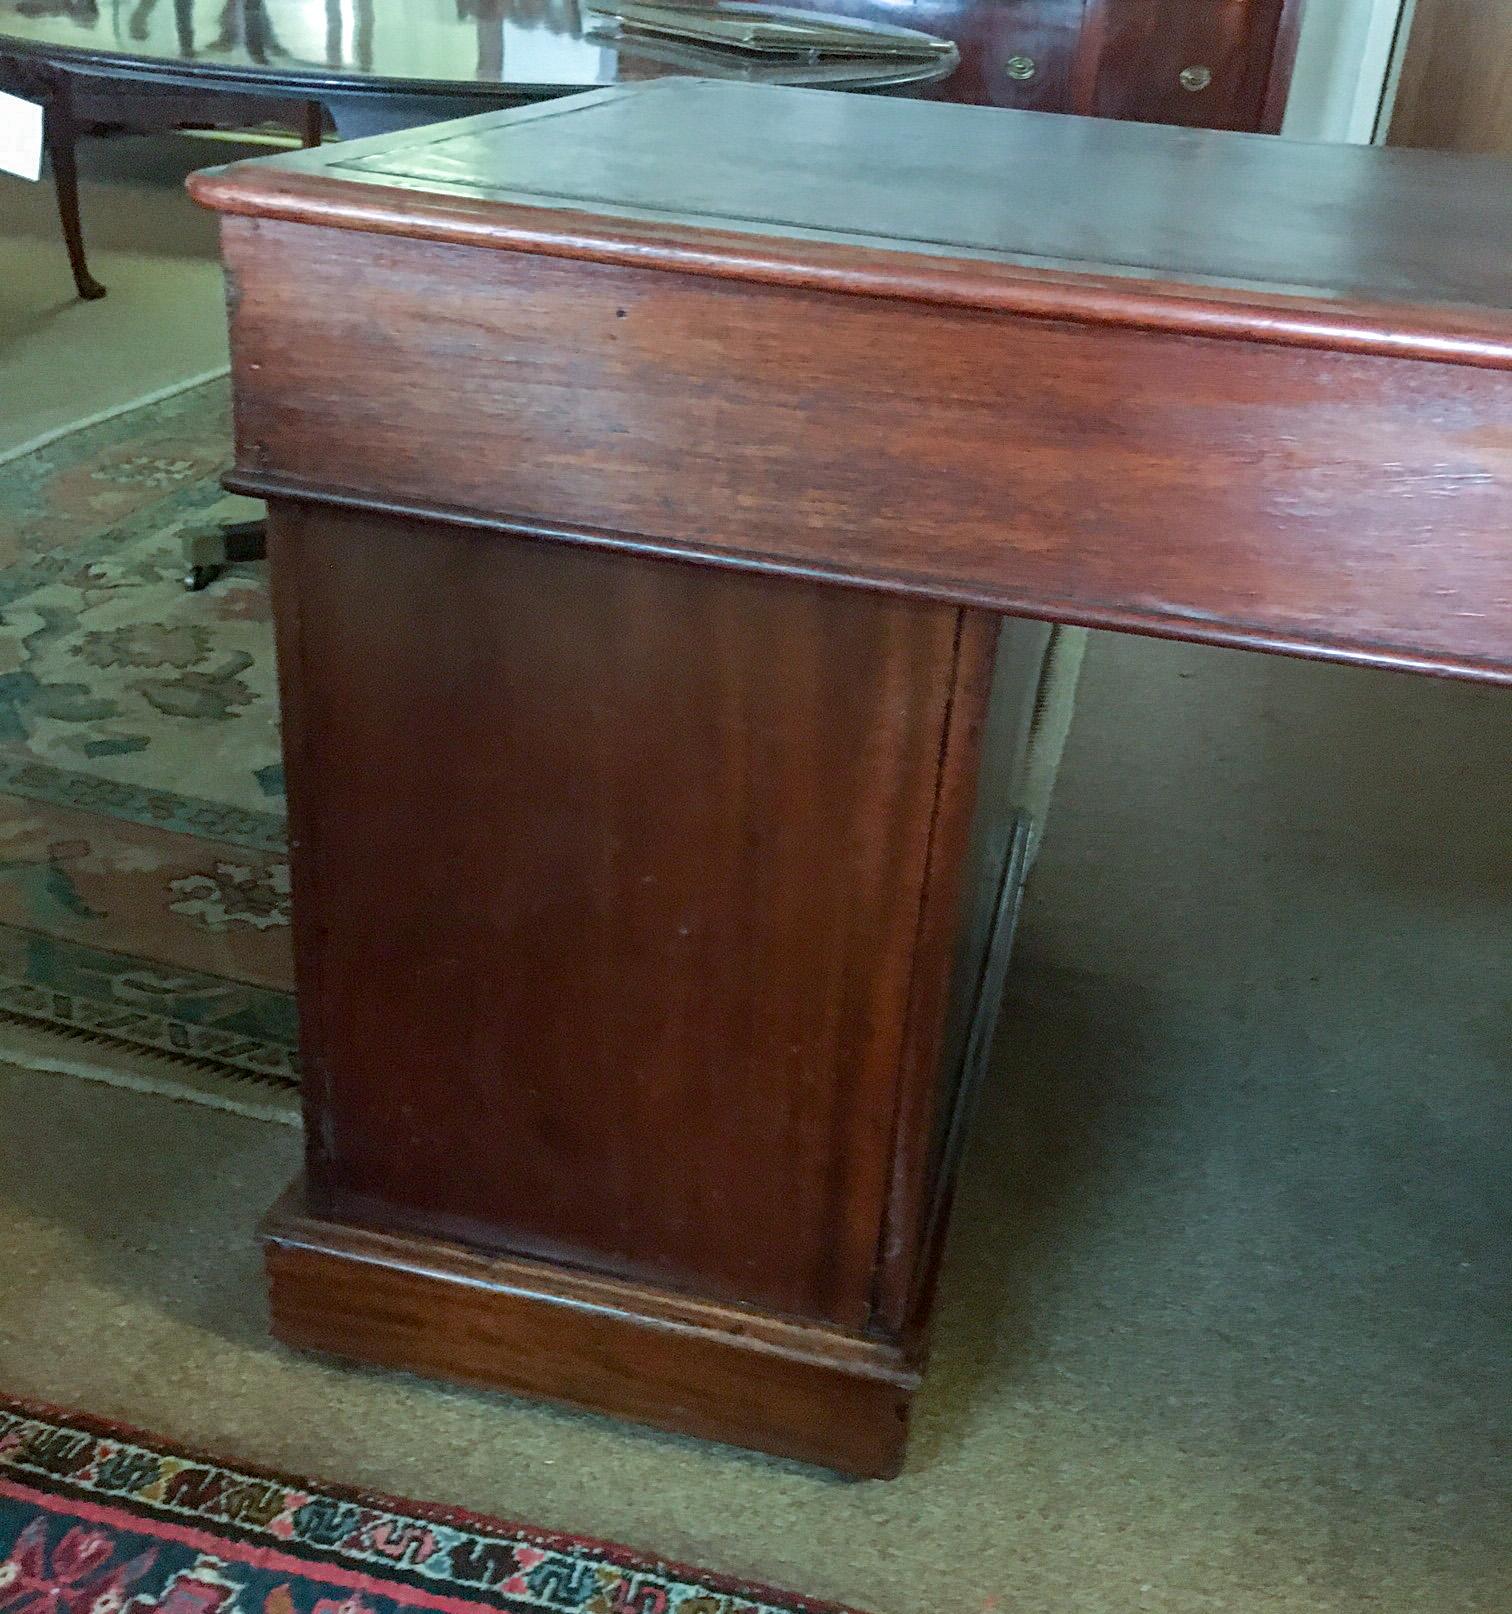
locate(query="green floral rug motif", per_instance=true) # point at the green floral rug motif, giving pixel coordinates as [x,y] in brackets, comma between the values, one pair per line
[143,883]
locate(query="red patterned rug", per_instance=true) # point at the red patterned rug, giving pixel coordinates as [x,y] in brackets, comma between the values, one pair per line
[100,1519]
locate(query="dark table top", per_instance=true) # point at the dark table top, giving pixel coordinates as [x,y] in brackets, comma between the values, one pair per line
[454,48]
[1138,223]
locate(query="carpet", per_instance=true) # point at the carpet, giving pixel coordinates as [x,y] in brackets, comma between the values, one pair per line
[100,1519]
[143,878]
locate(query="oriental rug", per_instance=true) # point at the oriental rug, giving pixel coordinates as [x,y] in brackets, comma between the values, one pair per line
[143,878]
[99,1519]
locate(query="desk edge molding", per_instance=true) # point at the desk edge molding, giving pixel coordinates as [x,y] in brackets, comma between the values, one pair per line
[1447,333]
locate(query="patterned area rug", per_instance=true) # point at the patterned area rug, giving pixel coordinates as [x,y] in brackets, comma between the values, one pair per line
[96,1519]
[143,883]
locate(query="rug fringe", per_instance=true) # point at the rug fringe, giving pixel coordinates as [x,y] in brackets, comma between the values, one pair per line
[33,1052]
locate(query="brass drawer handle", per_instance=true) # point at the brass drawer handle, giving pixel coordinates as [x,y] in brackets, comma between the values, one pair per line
[1196,79]
[1021,68]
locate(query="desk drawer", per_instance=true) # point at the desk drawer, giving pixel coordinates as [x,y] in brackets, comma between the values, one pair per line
[1205,65]
[1220,489]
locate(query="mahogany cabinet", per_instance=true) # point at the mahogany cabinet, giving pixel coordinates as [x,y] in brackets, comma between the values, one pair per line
[1215,64]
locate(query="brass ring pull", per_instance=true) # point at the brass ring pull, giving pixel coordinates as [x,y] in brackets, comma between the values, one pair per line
[1196,79]
[1021,68]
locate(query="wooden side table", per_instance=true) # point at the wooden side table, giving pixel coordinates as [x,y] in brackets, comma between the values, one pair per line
[660,483]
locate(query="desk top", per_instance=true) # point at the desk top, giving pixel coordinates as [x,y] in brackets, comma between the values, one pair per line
[1125,375]
[1250,235]
[452,48]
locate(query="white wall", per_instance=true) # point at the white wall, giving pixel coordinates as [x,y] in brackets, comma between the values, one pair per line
[1343,63]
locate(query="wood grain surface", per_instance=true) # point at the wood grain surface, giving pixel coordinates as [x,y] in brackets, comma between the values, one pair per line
[1206,66]
[1352,506]
[640,531]
[533,1328]
[1455,90]
[937,202]
[651,845]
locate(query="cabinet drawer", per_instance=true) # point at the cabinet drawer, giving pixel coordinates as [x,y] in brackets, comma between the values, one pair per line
[1225,490]
[1203,63]
[1016,53]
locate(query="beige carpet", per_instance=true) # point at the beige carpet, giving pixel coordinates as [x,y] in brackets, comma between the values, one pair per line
[1226,1325]
[163,319]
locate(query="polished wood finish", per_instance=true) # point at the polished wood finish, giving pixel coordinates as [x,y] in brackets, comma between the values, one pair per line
[435,51]
[59,131]
[60,121]
[1016,53]
[1455,89]
[722,1372]
[1031,496]
[254,61]
[641,536]
[1341,248]
[1111,58]
[685,840]
[1207,66]
[689,1020]
[1041,487]
[70,101]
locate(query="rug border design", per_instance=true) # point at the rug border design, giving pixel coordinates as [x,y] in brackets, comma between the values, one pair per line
[69,1469]
[72,1016]
[215,1060]
[32,779]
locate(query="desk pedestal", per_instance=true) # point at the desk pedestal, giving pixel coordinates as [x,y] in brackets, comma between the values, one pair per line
[650,918]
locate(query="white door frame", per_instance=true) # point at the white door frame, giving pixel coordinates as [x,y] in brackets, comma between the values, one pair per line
[1348,59]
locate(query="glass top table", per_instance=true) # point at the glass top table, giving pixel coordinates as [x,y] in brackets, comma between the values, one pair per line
[454,49]
[374,64]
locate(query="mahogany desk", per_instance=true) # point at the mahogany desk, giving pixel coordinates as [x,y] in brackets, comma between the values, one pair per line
[648,476]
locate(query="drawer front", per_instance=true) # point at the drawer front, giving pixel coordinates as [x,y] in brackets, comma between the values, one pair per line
[1222,490]
[1202,63]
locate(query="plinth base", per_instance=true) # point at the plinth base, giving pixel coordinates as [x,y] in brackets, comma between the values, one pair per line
[720,1372]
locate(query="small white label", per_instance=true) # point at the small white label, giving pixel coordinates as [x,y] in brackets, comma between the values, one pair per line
[20,136]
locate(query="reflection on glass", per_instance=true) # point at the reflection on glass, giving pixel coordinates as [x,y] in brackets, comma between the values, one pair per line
[489,22]
[365,27]
[84,12]
[436,47]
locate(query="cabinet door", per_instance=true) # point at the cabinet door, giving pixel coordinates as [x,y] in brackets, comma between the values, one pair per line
[1205,63]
